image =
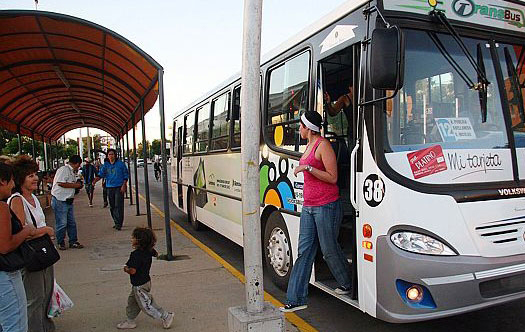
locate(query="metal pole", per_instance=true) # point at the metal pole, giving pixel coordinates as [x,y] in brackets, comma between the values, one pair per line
[129,169]
[165,192]
[123,157]
[135,168]
[88,144]
[33,147]
[80,144]
[45,153]
[19,136]
[51,163]
[250,124]
[145,156]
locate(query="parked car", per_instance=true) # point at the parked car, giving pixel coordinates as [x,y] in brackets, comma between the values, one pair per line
[140,162]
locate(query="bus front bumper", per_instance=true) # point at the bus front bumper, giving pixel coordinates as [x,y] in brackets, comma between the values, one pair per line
[457,284]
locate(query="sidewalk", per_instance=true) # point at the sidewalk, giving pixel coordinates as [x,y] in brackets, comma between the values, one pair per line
[197,289]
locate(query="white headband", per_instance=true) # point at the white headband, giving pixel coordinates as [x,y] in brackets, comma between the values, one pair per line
[309,125]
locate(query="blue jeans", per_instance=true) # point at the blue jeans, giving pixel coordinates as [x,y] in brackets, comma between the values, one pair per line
[319,226]
[13,304]
[64,221]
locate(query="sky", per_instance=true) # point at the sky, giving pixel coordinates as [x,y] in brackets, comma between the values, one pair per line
[198,42]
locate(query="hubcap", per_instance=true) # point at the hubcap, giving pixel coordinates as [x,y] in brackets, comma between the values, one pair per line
[279,252]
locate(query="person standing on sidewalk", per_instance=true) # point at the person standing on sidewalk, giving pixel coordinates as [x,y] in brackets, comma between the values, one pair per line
[116,174]
[138,266]
[62,193]
[13,303]
[89,172]
[37,284]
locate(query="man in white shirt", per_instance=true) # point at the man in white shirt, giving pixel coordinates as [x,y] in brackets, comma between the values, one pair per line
[63,191]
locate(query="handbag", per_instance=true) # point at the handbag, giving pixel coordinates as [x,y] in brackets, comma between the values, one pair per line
[45,252]
[19,257]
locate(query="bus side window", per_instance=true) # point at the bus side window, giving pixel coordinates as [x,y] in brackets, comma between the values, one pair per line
[236,117]
[287,98]
[203,121]
[189,129]
[219,124]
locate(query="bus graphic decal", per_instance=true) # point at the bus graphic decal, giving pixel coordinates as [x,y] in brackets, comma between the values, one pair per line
[276,189]
[199,181]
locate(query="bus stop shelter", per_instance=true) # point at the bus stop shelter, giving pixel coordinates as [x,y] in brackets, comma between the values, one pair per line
[59,73]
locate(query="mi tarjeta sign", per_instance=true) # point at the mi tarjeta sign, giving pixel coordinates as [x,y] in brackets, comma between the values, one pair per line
[493,13]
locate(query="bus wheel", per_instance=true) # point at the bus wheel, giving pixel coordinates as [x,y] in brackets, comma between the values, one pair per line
[192,212]
[278,250]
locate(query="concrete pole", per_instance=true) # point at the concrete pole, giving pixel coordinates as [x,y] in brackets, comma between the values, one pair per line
[80,144]
[256,316]
[250,106]
[135,168]
[129,169]
[145,156]
[165,192]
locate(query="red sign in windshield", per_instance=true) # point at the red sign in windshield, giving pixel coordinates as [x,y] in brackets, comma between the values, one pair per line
[427,161]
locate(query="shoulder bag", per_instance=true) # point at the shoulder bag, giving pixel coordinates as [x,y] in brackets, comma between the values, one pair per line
[45,253]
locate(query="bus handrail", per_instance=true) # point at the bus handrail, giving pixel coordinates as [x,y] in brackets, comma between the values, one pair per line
[353,174]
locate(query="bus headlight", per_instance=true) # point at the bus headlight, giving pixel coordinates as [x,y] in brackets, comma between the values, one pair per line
[420,244]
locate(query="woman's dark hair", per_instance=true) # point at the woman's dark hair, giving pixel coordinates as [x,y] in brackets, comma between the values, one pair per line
[23,165]
[6,171]
[314,118]
[145,237]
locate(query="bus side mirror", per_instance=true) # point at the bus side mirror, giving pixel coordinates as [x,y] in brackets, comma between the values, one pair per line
[236,112]
[387,59]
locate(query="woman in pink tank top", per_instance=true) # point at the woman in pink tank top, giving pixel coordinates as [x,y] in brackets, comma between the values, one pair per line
[321,216]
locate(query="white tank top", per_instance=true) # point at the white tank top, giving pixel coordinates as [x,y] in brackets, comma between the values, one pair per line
[36,211]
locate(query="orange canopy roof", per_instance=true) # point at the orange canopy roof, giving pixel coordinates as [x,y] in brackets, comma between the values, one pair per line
[59,73]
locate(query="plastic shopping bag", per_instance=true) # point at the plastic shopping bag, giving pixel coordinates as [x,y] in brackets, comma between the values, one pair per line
[59,302]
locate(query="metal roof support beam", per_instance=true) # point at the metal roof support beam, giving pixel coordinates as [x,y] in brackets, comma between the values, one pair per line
[123,156]
[135,167]
[129,169]
[51,159]
[165,192]
[33,148]
[145,157]
[19,136]
[45,154]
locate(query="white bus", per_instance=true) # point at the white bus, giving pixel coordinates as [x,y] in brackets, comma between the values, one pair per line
[431,155]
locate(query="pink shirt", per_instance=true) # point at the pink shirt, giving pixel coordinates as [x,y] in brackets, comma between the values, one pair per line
[317,192]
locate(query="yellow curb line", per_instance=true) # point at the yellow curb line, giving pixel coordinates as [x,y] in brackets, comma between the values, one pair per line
[300,323]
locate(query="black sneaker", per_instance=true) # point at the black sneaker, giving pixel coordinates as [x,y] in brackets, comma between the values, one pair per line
[343,290]
[62,246]
[293,307]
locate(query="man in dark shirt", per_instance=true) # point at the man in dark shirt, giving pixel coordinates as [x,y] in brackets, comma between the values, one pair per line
[89,172]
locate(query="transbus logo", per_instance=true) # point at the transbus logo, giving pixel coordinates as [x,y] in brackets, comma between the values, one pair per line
[468,8]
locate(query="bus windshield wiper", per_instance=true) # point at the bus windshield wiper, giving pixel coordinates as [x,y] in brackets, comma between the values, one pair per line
[515,84]
[481,85]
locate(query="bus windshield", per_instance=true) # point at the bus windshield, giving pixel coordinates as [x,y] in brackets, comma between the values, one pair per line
[435,132]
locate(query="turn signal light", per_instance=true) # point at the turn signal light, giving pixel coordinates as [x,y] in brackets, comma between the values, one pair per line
[367,231]
[367,244]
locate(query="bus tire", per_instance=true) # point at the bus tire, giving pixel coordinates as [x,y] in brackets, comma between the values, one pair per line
[277,250]
[192,211]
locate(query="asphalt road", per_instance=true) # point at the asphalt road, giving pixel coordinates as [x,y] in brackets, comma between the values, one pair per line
[326,313]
